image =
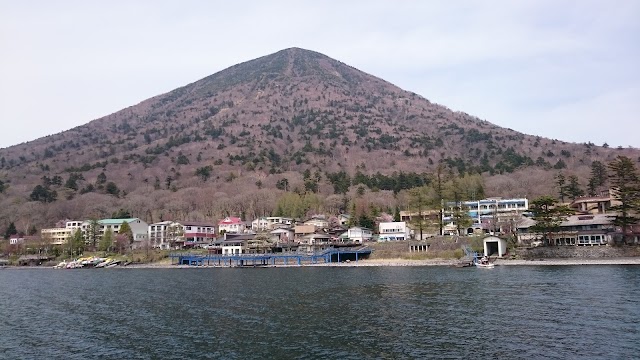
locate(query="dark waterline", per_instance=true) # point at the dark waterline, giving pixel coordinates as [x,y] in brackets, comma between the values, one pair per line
[558,312]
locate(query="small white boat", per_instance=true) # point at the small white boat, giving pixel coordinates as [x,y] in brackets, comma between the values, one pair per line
[112,264]
[484,263]
[486,266]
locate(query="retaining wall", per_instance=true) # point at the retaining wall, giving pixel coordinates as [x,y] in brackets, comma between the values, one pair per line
[578,252]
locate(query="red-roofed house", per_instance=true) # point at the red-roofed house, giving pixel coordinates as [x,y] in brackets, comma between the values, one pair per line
[231,225]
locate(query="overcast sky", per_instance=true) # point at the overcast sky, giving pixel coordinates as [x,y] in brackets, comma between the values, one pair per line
[568,70]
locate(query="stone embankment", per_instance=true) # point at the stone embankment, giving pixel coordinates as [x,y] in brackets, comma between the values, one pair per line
[578,252]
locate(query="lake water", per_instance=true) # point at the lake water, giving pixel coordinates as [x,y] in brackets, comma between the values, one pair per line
[509,312]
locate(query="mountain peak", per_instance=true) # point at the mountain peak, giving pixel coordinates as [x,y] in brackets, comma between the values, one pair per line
[285,65]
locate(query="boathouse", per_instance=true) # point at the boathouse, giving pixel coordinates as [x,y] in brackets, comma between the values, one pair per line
[494,246]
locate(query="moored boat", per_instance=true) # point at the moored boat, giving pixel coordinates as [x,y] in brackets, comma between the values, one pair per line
[112,264]
[485,266]
[484,263]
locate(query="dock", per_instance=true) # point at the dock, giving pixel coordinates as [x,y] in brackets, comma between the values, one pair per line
[334,255]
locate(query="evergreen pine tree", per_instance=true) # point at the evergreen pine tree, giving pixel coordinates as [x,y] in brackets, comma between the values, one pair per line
[573,188]
[598,177]
[11,230]
[562,186]
[626,189]
[548,216]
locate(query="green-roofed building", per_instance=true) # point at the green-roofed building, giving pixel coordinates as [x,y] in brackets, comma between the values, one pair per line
[139,228]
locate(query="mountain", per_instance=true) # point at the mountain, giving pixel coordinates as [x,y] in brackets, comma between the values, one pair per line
[235,141]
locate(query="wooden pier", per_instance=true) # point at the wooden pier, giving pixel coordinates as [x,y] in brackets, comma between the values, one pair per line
[271,259]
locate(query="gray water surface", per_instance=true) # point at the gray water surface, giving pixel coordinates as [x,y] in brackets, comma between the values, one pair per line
[558,312]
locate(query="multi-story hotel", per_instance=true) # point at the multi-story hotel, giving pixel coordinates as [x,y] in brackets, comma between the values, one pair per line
[60,235]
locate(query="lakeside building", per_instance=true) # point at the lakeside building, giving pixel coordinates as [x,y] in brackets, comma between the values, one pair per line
[393,231]
[487,215]
[233,246]
[267,223]
[139,228]
[343,219]
[16,239]
[576,230]
[180,234]
[236,244]
[283,235]
[315,242]
[320,222]
[301,230]
[599,204]
[197,233]
[61,234]
[359,234]
[231,224]
[163,234]
[429,220]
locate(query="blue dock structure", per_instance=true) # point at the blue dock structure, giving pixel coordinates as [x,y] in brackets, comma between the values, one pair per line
[470,257]
[332,255]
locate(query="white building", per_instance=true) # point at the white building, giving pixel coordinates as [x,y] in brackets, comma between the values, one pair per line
[269,223]
[166,234]
[233,246]
[359,235]
[485,214]
[393,231]
[139,228]
[15,240]
[318,222]
[283,235]
[494,246]
[232,225]
[161,234]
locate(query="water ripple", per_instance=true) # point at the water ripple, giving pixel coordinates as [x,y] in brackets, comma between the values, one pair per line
[312,313]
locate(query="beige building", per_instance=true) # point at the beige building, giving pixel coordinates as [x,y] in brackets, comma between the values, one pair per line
[318,222]
[60,235]
[599,204]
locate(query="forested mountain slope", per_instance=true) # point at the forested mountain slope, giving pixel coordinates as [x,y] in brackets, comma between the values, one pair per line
[294,121]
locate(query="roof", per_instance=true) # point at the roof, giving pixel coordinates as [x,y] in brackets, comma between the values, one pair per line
[233,241]
[230,220]
[316,236]
[196,223]
[116,221]
[596,219]
[239,237]
[168,222]
[573,220]
[280,231]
